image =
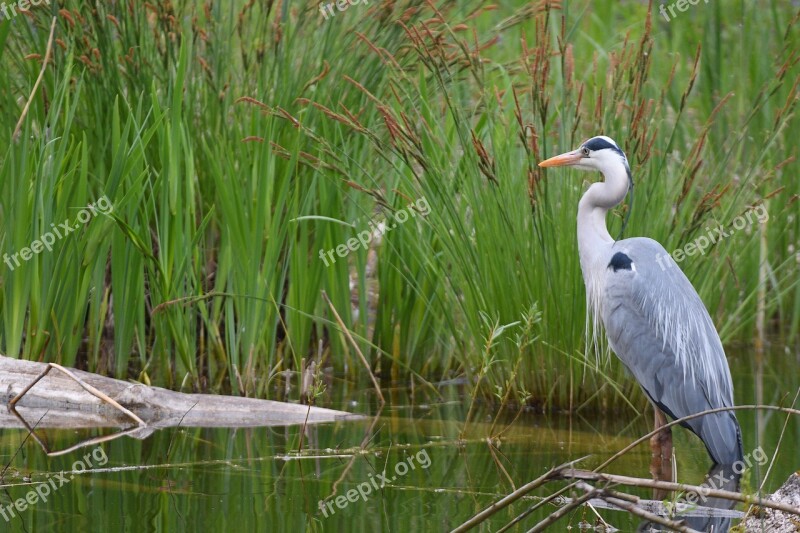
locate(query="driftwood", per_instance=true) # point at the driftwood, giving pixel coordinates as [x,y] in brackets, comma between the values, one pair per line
[785,507]
[38,396]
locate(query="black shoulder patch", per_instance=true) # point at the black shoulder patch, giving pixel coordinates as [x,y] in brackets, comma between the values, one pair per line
[620,261]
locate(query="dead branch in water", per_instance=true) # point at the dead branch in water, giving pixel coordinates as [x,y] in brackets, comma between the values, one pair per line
[30,391]
[85,386]
[627,503]
[511,498]
[706,492]
[563,472]
[620,500]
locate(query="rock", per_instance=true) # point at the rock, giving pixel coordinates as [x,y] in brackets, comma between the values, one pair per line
[764,519]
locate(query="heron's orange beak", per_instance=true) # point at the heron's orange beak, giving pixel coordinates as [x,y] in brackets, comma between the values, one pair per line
[570,158]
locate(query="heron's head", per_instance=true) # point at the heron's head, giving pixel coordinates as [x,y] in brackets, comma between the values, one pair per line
[598,153]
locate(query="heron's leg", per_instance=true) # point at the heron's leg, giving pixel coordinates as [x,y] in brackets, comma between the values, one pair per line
[661,446]
[666,445]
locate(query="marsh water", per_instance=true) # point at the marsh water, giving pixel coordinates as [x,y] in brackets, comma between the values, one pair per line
[406,467]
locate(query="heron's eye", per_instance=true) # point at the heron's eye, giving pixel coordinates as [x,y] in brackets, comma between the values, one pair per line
[585,152]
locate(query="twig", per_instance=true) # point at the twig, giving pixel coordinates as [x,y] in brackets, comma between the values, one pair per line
[519,518]
[682,509]
[774,456]
[706,492]
[591,506]
[511,498]
[30,432]
[88,388]
[38,80]
[556,516]
[642,513]
[82,444]
[647,483]
[358,350]
[367,437]
[777,447]
[498,463]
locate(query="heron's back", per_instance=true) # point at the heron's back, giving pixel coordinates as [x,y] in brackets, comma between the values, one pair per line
[660,329]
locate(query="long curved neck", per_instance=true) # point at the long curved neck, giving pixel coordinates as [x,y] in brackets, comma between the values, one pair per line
[594,242]
[595,203]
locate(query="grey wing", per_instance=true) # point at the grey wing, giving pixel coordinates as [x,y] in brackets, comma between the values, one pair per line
[660,329]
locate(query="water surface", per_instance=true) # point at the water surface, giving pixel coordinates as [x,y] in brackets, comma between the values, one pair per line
[406,469]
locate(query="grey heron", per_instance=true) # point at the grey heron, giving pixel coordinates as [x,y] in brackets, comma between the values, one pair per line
[653,318]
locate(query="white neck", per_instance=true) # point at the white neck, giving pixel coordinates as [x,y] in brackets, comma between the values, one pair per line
[593,236]
[594,241]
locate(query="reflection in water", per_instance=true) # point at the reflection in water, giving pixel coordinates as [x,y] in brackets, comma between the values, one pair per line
[720,477]
[272,479]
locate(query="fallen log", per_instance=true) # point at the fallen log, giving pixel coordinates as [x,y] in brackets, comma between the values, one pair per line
[39,395]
